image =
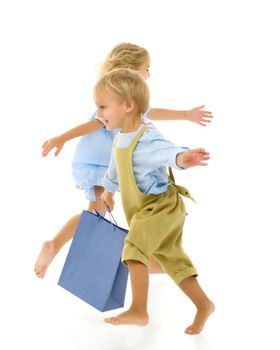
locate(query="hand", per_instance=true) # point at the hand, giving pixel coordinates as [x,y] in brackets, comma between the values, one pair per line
[195,157]
[107,199]
[52,143]
[199,116]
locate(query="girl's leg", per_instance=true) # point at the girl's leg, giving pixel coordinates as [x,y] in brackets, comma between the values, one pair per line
[137,314]
[204,306]
[51,248]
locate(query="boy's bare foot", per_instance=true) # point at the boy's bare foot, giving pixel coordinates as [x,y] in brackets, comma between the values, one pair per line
[132,317]
[200,319]
[44,259]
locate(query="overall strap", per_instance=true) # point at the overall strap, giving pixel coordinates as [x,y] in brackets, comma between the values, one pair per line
[138,137]
[182,190]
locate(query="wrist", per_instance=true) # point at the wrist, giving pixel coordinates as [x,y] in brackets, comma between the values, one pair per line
[109,194]
[179,160]
[182,115]
[63,138]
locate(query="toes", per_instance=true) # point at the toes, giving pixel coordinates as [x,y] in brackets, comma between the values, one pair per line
[41,273]
[191,331]
[112,320]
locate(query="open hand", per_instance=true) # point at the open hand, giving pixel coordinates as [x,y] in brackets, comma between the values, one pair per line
[48,145]
[195,157]
[199,116]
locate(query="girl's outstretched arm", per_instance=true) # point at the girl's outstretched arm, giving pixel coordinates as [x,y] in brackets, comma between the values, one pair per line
[197,115]
[80,130]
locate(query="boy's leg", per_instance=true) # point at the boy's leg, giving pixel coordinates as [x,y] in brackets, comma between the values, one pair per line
[205,307]
[154,266]
[51,248]
[137,314]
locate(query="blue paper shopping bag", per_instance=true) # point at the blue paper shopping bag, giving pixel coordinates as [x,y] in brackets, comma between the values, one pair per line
[93,270]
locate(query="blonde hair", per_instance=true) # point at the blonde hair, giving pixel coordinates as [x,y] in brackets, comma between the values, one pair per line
[124,55]
[126,84]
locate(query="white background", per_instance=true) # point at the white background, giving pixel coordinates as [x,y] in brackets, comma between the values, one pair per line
[224,54]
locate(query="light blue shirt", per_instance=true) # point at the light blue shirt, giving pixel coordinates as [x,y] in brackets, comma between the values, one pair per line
[151,157]
[95,147]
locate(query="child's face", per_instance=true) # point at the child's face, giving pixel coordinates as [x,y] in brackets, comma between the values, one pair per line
[112,110]
[143,70]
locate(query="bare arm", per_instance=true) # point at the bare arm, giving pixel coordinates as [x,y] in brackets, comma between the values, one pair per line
[80,130]
[196,115]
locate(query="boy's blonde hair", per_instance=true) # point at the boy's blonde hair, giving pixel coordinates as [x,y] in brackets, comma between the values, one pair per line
[124,55]
[126,84]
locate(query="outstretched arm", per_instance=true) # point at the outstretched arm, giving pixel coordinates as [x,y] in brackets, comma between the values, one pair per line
[195,157]
[80,130]
[197,115]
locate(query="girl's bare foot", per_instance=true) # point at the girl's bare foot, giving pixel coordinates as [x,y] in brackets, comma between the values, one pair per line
[131,316]
[200,319]
[44,259]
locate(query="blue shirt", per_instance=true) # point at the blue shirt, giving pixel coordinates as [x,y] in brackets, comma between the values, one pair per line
[151,157]
[95,147]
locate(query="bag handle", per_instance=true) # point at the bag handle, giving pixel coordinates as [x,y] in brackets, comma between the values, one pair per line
[111,217]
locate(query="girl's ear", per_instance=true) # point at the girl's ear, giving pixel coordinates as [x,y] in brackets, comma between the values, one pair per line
[129,106]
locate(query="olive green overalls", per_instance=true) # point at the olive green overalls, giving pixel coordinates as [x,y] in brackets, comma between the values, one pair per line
[155,221]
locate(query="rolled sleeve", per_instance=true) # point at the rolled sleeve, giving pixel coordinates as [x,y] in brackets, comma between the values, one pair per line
[109,185]
[173,160]
[164,151]
[110,180]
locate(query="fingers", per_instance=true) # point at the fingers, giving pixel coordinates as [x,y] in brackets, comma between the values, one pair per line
[56,153]
[200,107]
[207,113]
[198,150]
[46,151]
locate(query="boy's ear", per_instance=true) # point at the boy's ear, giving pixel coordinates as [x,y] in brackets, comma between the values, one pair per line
[129,106]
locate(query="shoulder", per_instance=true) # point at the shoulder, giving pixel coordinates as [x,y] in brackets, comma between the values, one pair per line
[93,116]
[152,134]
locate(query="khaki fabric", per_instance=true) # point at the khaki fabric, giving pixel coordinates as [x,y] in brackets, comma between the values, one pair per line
[155,221]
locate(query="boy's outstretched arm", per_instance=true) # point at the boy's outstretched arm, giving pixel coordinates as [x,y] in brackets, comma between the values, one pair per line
[197,115]
[80,130]
[195,157]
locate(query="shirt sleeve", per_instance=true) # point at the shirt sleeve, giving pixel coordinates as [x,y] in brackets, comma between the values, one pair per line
[162,152]
[94,116]
[110,180]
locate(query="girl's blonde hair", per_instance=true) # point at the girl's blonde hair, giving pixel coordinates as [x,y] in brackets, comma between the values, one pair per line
[124,55]
[127,85]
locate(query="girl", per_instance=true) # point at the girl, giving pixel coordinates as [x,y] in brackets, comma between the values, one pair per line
[93,152]
[154,209]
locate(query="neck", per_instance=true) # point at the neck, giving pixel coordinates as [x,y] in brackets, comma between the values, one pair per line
[131,124]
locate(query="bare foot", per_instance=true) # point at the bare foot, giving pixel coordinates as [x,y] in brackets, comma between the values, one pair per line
[132,317]
[200,319]
[44,259]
